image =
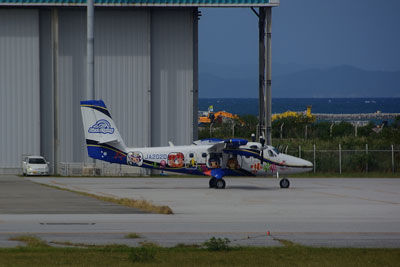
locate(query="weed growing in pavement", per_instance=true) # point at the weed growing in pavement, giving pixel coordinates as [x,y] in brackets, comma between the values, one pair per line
[133,235]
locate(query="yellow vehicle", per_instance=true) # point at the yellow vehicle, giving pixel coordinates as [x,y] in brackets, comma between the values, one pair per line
[294,114]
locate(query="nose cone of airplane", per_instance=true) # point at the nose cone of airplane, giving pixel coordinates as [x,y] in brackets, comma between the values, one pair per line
[298,162]
[307,163]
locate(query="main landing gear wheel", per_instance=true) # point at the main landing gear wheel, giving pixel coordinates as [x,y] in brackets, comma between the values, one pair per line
[212,182]
[220,184]
[284,183]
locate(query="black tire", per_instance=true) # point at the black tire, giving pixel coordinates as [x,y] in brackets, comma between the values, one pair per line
[220,184]
[284,183]
[212,182]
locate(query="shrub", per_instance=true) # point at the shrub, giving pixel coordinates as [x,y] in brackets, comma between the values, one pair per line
[217,244]
[142,254]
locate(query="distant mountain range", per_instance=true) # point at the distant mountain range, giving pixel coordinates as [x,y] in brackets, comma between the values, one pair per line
[291,80]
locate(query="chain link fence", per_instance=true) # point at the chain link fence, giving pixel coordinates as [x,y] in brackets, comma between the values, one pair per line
[99,169]
[344,161]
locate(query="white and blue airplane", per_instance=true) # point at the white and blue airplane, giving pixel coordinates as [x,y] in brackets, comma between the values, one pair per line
[215,158]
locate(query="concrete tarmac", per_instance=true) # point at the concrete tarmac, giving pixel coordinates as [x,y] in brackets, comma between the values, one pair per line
[318,212]
[21,196]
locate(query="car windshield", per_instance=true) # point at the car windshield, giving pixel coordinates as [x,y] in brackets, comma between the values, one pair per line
[37,161]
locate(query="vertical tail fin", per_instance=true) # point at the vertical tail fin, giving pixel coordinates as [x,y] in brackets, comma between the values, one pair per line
[102,137]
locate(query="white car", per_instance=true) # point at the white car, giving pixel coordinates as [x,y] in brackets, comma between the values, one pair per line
[35,165]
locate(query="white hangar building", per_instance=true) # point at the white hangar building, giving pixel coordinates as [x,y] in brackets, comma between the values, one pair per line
[145,70]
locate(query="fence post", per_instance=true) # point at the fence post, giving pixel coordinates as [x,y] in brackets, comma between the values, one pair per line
[392,159]
[282,129]
[314,157]
[299,151]
[366,153]
[340,159]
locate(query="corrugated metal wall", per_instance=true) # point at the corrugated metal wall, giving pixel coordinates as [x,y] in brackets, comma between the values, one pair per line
[19,85]
[172,76]
[46,86]
[122,75]
[122,70]
[143,71]
[72,73]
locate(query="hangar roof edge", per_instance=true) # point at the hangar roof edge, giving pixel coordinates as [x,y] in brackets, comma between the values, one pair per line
[145,3]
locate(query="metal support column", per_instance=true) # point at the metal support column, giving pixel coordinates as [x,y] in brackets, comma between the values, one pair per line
[54,44]
[196,18]
[89,50]
[90,93]
[261,71]
[268,99]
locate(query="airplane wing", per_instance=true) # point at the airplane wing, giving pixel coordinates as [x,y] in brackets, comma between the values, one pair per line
[227,143]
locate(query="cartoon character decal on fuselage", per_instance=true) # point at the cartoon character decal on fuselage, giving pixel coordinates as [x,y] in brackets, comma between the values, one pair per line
[211,157]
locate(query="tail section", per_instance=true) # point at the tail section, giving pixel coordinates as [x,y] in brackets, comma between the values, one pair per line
[102,137]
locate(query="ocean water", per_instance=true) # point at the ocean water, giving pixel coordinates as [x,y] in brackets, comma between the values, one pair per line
[242,106]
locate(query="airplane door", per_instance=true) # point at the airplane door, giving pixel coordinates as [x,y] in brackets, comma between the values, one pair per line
[246,162]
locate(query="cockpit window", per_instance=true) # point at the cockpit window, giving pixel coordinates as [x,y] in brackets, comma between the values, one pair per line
[275,150]
[254,147]
[270,153]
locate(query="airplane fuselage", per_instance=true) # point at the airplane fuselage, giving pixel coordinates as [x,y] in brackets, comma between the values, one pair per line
[195,159]
[216,158]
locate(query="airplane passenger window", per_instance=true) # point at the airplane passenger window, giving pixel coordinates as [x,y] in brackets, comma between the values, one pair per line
[191,155]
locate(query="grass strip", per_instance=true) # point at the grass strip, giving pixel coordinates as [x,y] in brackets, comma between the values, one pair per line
[38,253]
[141,204]
[185,256]
[30,241]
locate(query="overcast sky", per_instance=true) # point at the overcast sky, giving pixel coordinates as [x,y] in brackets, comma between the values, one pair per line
[361,33]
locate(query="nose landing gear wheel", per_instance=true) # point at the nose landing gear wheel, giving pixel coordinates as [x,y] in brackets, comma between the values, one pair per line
[284,183]
[220,184]
[212,182]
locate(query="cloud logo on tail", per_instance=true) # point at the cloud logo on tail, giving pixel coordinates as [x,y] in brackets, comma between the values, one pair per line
[101,126]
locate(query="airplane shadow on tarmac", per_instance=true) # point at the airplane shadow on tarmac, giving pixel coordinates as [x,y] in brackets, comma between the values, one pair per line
[249,187]
[233,187]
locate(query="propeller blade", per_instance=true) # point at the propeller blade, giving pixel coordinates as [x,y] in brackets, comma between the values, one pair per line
[262,141]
